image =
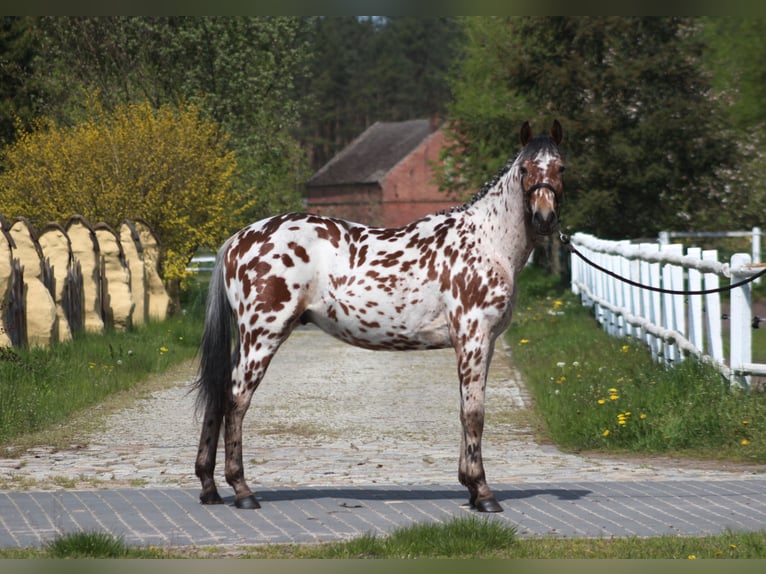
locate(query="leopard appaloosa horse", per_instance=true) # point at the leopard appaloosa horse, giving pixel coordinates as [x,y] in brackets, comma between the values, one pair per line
[446,280]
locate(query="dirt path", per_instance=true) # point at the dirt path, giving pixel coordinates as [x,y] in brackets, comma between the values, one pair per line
[330,414]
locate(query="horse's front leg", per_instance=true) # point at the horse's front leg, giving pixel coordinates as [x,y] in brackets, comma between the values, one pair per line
[472,369]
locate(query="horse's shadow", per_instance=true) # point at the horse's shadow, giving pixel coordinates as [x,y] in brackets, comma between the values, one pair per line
[347,496]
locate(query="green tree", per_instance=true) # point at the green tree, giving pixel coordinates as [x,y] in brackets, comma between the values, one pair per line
[647,144]
[168,166]
[374,69]
[20,94]
[242,70]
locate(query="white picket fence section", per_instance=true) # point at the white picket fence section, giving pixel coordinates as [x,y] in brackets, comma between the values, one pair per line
[671,325]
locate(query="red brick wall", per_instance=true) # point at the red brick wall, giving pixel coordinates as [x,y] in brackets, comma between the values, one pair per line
[360,203]
[409,190]
[408,193]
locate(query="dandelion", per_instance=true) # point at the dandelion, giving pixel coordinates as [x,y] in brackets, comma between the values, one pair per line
[732,546]
[613,391]
[523,341]
[163,350]
[692,557]
[642,416]
[557,303]
[605,433]
[625,348]
[614,397]
[601,401]
[744,442]
[745,422]
[562,379]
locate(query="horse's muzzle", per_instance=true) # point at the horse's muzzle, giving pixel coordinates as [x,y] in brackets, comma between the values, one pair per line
[545,222]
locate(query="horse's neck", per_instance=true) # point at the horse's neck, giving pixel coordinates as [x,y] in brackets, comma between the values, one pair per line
[501,223]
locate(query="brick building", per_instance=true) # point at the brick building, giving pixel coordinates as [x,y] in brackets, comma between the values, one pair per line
[382,178]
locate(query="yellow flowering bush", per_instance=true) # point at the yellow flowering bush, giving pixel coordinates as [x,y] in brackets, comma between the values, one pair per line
[168,166]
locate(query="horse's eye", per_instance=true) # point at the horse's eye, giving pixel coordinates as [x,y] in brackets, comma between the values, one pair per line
[562,168]
[523,170]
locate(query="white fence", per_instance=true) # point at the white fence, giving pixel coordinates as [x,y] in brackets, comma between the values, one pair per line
[671,325]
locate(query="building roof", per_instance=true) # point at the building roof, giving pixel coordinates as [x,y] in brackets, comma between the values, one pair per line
[371,156]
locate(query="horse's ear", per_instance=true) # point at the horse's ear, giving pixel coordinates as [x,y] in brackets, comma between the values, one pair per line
[557,134]
[526,133]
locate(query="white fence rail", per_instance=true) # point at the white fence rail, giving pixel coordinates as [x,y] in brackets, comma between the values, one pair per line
[671,325]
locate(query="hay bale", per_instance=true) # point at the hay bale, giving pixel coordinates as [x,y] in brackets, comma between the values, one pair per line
[5,285]
[116,298]
[159,300]
[134,256]
[57,251]
[41,319]
[85,252]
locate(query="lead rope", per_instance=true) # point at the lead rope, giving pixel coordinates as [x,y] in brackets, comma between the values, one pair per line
[566,242]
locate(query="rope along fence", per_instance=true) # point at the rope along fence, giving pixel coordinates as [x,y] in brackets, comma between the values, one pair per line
[666,316]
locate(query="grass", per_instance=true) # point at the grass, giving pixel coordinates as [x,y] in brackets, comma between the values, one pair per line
[596,392]
[42,388]
[462,537]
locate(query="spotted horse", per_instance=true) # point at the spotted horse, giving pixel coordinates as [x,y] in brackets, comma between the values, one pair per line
[445,280]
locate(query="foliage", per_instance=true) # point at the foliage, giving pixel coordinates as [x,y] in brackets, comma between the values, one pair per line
[20,92]
[646,143]
[734,60]
[168,167]
[590,400]
[241,71]
[374,69]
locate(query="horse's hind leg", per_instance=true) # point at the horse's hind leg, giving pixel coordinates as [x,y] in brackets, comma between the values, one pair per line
[205,465]
[250,369]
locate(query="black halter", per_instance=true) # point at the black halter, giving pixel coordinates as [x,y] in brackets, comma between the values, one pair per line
[542,185]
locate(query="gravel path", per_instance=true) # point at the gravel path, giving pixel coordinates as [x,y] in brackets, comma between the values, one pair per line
[331,414]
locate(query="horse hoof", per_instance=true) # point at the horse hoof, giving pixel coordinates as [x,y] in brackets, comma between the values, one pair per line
[247,503]
[488,505]
[211,498]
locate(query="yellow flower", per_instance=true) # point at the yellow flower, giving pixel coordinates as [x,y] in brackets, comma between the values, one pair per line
[613,391]
[605,433]
[523,341]
[163,350]
[614,397]
[744,442]
[625,348]
[601,401]
[745,422]
[642,416]
[692,557]
[557,304]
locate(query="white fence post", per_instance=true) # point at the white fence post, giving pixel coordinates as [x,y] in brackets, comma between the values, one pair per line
[663,320]
[695,302]
[741,336]
[757,237]
[672,305]
[713,310]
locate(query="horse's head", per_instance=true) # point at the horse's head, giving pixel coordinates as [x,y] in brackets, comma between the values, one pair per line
[541,169]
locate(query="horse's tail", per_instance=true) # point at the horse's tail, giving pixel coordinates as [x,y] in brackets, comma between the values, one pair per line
[216,359]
